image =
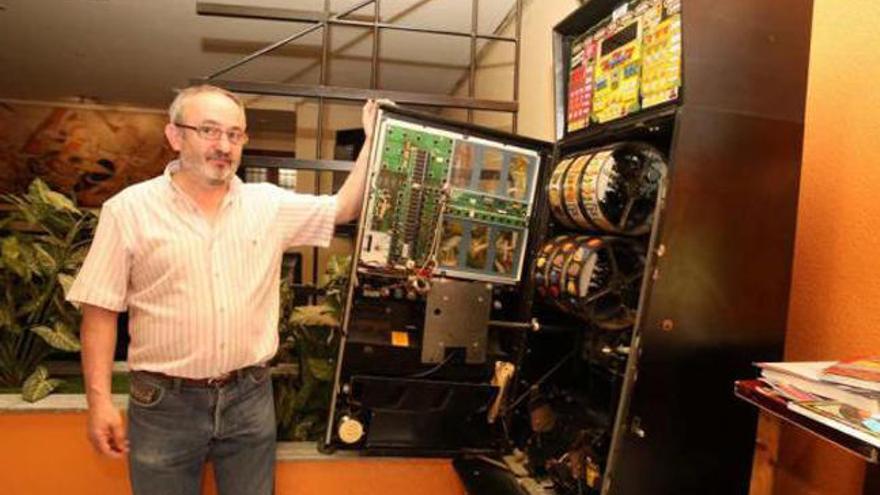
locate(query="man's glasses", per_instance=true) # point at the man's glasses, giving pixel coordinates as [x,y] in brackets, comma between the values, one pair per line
[214,133]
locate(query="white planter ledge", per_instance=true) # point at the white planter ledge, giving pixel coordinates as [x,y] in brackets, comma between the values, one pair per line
[76,403]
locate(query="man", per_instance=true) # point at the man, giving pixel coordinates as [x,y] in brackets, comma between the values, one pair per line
[194,256]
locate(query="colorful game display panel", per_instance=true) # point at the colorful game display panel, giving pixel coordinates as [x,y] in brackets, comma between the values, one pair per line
[454,204]
[580,83]
[661,67]
[630,62]
[618,70]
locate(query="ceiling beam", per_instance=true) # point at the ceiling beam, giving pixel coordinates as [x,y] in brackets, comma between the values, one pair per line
[251,12]
[292,15]
[360,94]
[280,43]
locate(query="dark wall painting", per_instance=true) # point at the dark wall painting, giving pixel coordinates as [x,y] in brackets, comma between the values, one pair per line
[94,153]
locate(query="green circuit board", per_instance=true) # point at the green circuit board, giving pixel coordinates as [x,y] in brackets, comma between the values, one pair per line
[484,208]
[462,202]
[414,169]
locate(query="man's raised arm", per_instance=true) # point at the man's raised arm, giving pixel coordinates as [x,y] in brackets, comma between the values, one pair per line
[351,195]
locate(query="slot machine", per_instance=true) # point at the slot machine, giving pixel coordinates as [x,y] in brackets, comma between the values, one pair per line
[569,317]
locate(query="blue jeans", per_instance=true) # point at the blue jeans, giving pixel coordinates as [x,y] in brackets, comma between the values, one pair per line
[173,428]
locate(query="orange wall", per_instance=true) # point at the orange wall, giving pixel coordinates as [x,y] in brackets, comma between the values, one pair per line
[48,454]
[835,298]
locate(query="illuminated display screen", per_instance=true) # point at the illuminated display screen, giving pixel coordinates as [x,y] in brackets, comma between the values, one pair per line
[624,36]
[624,64]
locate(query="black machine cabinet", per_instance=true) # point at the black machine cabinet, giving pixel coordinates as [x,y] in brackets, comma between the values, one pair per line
[432,311]
[596,297]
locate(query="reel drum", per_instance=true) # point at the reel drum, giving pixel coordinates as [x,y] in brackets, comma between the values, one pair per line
[611,190]
[596,279]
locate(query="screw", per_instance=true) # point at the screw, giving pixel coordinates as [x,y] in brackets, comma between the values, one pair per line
[661,250]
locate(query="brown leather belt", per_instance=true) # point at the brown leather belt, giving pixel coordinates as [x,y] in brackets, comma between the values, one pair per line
[217,381]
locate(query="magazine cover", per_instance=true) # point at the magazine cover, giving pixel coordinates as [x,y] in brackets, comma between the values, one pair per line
[867,369]
[842,417]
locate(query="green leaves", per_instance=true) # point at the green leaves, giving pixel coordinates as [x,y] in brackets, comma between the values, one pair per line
[303,428]
[321,368]
[11,254]
[6,319]
[37,191]
[60,202]
[314,316]
[45,260]
[338,267]
[11,249]
[60,337]
[310,338]
[43,243]
[66,281]
[39,385]
[40,194]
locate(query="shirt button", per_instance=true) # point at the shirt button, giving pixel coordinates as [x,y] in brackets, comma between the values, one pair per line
[221,309]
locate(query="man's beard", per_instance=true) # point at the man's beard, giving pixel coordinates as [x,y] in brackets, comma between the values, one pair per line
[217,176]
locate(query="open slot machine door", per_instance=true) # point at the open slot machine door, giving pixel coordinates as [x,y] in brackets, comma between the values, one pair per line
[440,292]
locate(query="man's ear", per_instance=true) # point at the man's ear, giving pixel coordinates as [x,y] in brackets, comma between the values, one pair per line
[173,135]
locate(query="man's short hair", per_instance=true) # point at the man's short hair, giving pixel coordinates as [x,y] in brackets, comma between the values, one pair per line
[175,111]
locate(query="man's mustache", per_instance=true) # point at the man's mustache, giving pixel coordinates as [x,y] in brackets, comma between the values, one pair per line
[220,156]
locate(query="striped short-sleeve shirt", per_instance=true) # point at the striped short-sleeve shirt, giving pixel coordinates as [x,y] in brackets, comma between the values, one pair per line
[202,297]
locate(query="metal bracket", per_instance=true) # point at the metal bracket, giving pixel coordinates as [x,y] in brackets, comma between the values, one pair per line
[457,315]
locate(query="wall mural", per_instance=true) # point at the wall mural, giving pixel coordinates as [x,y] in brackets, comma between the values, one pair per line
[94,153]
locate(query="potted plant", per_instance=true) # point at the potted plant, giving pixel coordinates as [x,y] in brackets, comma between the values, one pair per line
[309,338]
[43,241]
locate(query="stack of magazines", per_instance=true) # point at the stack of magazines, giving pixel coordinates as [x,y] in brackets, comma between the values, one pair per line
[844,395]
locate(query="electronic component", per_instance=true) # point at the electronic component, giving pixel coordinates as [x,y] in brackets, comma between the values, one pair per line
[446,203]
[405,195]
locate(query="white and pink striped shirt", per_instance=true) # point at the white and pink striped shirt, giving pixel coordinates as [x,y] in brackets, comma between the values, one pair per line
[203,298]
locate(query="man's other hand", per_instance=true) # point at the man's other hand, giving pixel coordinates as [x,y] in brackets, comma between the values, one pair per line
[106,431]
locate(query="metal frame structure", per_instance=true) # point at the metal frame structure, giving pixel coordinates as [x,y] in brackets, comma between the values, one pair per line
[324,20]
[323,92]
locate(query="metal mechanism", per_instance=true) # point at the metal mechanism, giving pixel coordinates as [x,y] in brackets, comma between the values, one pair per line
[457,316]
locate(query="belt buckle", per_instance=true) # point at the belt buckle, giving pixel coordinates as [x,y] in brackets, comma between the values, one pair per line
[219,380]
